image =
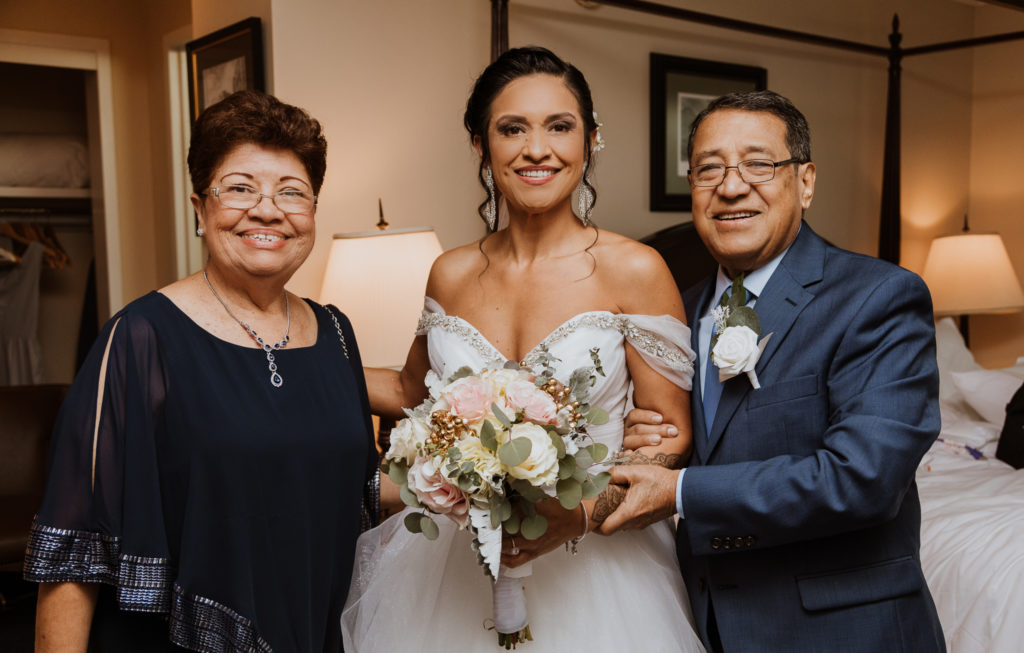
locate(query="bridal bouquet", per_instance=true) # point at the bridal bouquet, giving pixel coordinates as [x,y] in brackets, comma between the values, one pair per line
[484,448]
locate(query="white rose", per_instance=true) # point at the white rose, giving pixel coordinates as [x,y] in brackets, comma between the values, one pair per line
[405,437]
[736,351]
[501,377]
[485,462]
[541,467]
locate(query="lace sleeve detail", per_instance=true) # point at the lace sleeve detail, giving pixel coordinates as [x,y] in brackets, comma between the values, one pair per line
[664,343]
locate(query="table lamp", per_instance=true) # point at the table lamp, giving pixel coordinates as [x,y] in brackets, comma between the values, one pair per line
[971,273]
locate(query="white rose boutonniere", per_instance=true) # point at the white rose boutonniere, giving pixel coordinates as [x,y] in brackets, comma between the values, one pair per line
[735,349]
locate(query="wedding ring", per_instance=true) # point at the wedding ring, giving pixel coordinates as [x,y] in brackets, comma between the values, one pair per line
[515,549]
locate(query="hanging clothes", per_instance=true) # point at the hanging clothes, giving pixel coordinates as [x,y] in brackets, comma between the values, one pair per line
[21,357]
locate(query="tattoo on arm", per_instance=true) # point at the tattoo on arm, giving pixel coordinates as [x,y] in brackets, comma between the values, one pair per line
[607,502]
[667,460]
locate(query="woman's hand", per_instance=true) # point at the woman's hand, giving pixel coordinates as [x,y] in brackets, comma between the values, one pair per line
[563,525]
[645,428]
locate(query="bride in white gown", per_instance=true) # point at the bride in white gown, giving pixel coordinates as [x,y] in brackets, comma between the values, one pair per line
[549,281]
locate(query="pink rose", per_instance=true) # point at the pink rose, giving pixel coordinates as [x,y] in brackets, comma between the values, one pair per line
[436,492]
[537,405]
[469,397]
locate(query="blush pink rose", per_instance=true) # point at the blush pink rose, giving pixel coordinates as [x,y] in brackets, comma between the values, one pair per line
[436,492]
[537,405]
[469,397]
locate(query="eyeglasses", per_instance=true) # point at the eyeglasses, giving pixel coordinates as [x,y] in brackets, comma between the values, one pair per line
[244,197]
[754,171]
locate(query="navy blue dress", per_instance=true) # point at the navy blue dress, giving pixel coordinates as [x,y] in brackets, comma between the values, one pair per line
[224,508]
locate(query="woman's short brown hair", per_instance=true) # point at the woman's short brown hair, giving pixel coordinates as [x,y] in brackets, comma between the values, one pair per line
[257,118]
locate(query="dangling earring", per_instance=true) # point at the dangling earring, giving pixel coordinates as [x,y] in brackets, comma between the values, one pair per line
[491,209]
[200,232]
[585,199]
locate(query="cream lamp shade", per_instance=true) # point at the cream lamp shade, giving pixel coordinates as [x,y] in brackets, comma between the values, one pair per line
[377,278]
[971,273]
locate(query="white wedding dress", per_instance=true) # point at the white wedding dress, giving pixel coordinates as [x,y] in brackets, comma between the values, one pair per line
[621,592]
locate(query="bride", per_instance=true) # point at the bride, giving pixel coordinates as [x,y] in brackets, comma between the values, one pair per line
[549,280]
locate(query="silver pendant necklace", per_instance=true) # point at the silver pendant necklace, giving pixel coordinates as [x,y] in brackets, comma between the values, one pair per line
[275,378]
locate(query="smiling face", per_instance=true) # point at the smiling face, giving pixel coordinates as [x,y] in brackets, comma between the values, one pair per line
[746,225]
[536,139]
[261,241]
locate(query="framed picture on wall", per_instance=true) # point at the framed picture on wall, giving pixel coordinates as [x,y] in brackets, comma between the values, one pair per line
[228,60]
[680,89]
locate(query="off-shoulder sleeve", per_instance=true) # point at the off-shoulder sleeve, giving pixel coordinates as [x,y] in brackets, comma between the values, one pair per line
[664,343]
[89,528]
[432,312]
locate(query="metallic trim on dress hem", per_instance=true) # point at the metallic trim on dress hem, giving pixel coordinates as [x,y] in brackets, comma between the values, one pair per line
[59,555]
[202,624]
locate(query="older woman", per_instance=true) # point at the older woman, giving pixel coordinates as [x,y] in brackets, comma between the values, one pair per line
[209,465]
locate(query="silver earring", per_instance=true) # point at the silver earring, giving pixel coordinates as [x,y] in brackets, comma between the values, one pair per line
[491,209]
[200,232]
[585,199]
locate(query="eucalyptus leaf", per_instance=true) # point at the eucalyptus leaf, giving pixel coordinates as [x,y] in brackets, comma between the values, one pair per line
[412,522]
[527,491]
[502,417]
[515,451]
[399,474]
[580,474]
[463,371]
[595,485]
[429,528]
[583,458]
[488,437]
[566,466]
[745,316]
[558,443]
[504,510]
[597,416]
[534,526]
[454,454]
[598,451]
[409,498]
[465,483]
[511,525]
[467,467]
[570,492]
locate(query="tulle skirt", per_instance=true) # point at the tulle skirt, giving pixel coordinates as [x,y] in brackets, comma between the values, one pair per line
[620,593]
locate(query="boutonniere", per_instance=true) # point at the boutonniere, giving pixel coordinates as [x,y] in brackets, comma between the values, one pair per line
[735,348]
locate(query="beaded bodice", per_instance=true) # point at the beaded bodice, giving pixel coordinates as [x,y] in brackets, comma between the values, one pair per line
[662,341]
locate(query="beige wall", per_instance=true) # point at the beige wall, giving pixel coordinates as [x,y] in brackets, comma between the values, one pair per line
[997,164]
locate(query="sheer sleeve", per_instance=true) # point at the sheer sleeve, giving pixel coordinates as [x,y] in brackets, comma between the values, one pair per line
[91,527]
[664,343]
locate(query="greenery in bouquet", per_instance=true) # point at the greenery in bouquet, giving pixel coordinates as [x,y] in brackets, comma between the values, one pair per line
[486,446]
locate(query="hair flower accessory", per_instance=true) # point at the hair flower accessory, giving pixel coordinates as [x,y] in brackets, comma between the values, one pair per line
[735,348]
[599,141]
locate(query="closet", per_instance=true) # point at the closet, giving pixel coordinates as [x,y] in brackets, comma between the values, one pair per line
[58,218]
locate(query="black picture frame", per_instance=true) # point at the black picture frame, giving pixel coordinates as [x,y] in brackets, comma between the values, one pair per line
[225,61]
[680,88]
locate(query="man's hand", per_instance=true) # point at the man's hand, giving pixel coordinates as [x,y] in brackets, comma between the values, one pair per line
[563,525]
[650,496]
[644,428]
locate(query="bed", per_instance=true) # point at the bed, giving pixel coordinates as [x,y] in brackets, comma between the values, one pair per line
[972,506]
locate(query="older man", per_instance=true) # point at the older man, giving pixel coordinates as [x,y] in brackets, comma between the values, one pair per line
[799,517]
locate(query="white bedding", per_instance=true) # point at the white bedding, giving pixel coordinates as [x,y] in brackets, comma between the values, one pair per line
[972,548]
[43,160]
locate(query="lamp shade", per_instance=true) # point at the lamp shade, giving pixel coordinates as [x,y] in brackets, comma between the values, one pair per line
[377,278]
[971,273]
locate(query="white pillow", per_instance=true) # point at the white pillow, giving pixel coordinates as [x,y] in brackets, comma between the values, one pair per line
[952,356]
[988,392]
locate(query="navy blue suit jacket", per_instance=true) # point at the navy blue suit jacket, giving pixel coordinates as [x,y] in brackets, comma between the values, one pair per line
[802,520]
